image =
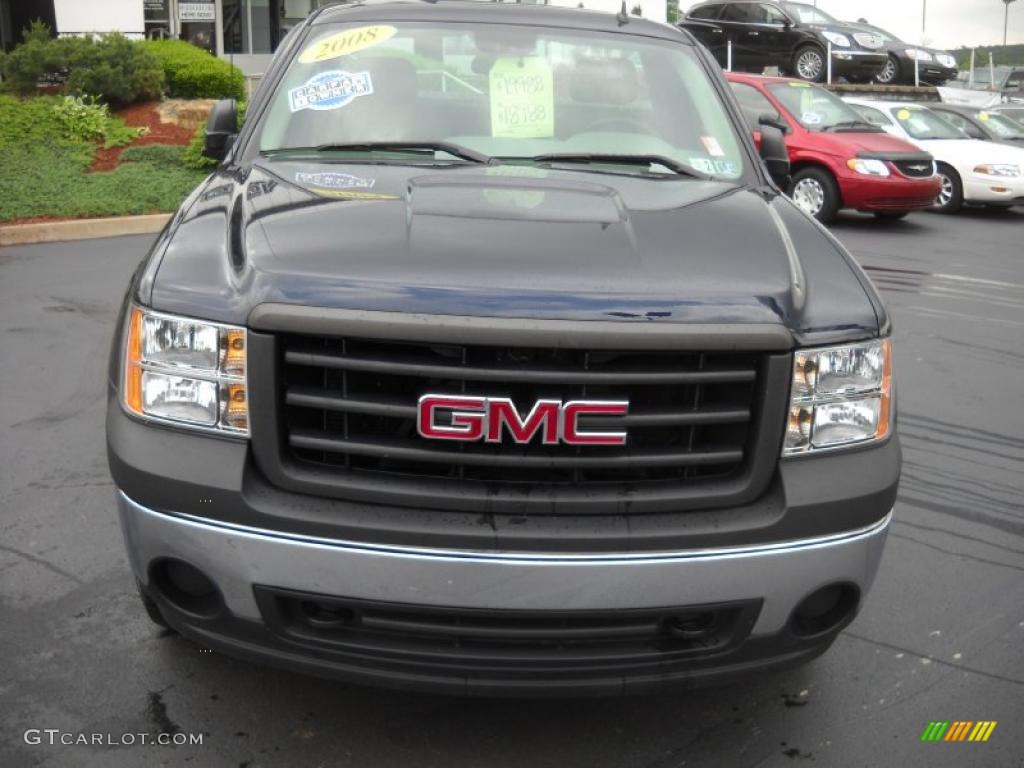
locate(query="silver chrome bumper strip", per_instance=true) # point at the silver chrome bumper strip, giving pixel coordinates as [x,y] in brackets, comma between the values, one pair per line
[534,557]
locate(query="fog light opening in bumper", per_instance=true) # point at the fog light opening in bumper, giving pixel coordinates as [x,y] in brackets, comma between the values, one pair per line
[185,587]
[825,610]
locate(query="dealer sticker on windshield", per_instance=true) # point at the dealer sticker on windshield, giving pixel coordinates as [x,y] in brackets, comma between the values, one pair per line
[344,43]
[522,98]
[330,90]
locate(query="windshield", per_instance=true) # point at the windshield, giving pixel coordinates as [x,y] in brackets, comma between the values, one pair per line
[815,108]
[504,93]
[924,124]
[808,14]
[886,36]
[1001,126]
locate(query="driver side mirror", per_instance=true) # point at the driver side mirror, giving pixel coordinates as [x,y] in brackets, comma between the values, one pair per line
[773,149]
[221,129]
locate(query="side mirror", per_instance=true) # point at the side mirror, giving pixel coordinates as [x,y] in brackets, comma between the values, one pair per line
[773,150]
[221,129]
[773,121]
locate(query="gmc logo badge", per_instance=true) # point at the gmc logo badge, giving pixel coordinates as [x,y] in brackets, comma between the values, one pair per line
[491,418]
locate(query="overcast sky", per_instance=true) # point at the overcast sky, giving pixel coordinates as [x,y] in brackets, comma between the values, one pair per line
[949,23]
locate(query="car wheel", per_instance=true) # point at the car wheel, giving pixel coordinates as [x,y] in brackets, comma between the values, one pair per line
[951,195]
[891,215]
[809,64]
[890,73]
[815,192]
[153,610]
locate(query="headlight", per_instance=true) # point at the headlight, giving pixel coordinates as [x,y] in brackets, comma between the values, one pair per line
[840,41]
[917,53]
[867,166]
[946,60]
[840,396]
[186,372]
[997,169]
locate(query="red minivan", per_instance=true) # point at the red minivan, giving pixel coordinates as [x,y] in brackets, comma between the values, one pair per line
[838,160]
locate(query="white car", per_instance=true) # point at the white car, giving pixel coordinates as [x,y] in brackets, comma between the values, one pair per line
[972,171]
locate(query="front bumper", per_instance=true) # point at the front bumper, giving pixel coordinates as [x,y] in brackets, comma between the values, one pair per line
[892,193]
[857,63]
[994,190]
[241,560]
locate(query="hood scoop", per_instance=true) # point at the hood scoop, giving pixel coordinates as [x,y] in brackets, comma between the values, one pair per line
[504,197]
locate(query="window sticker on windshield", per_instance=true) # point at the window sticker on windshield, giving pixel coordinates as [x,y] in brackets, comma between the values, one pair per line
[335,180]
[330,90]
[983,116]
[712,146]
[810,118]
[344,43]
[799,85]
[714,167]
[903,114]
[522,98]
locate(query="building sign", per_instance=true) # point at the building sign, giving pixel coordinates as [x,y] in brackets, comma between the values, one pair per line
[197,12]
[155,5]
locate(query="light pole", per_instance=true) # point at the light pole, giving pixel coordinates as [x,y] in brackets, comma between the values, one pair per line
[924,15]
[1006,17]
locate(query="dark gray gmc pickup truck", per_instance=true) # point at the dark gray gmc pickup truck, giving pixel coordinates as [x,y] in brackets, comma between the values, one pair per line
[491,360]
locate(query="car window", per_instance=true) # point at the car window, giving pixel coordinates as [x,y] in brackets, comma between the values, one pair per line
[753,103]
[873,116]
[814,108]
[1014,81]
[808,14]
[503,90]
[921,123]
[1001,126]
[705,12]
[962,123]
[773,15]
[742,13]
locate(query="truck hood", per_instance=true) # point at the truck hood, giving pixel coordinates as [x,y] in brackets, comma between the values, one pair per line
[504,241]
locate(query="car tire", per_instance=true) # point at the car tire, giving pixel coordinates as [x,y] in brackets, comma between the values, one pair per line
[891,215]
[951,197]
[814,190]
[153,611]
[809,64]
[890,74]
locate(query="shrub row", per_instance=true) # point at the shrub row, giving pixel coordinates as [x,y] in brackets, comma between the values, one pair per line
[190,72]
[118,70]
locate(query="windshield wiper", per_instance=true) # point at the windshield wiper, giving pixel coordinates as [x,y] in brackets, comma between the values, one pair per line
[855,125]
[455,150]
[680,169]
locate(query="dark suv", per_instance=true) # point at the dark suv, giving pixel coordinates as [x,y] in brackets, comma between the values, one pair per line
[486,364]
[794,37]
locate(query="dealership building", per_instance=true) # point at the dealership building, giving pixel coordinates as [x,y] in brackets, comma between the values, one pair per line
[245,31]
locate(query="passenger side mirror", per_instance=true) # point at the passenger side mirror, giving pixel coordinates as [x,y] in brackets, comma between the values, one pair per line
[773,150]
[221,129]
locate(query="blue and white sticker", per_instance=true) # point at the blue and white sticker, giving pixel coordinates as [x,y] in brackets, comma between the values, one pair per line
[330,90]
[811,118]
[335,180]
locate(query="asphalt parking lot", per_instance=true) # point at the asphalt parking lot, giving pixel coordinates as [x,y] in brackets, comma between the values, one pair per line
[940,638]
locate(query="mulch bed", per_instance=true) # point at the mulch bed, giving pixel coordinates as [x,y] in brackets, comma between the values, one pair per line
[140,115]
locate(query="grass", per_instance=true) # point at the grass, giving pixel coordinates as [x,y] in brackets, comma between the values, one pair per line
[45,172]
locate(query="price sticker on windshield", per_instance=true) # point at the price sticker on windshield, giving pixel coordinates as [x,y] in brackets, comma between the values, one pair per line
[522,98]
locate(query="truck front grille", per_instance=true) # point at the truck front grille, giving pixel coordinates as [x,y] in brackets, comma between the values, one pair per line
[347,424]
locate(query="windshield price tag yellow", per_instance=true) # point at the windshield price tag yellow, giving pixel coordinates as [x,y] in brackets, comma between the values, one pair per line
[344,43]
[522,98]
[903,114]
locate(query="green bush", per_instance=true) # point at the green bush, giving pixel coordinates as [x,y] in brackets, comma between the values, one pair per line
[83,117]
[192,73]
[112,67]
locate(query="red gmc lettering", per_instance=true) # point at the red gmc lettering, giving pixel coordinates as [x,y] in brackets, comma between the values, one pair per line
[466,424]
[475,418]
